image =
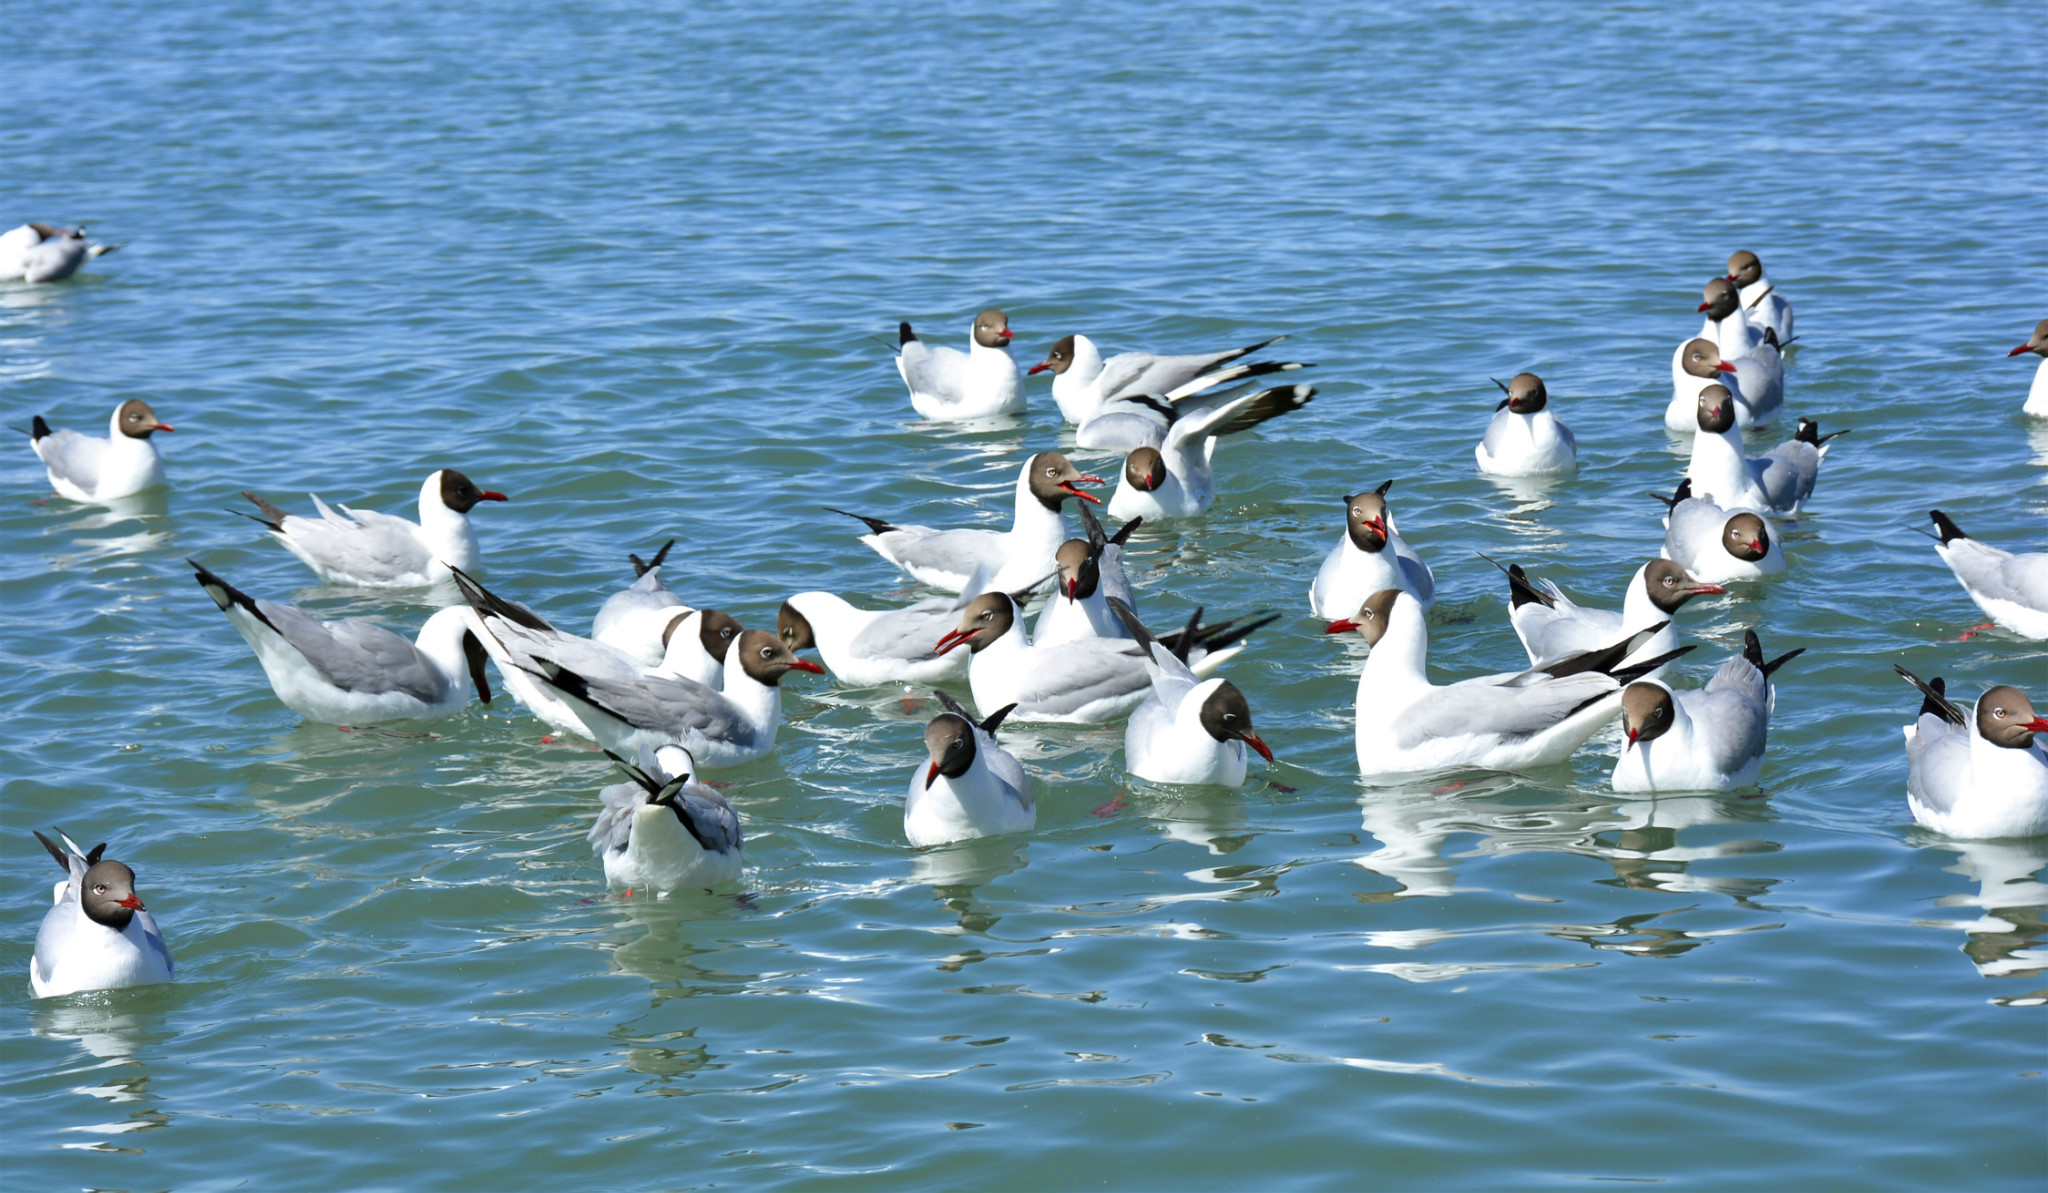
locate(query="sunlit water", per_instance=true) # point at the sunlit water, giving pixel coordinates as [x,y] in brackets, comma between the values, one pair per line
[625,266]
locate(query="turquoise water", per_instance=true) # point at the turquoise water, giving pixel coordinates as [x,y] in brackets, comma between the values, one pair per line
[623,264]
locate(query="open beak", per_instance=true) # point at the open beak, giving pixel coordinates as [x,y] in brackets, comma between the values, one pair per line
[131,903]
[1342,625]
[1705,305]
[1090,480]
[2014,352]
[1036,369]
[1725,367]
[1257,743]
[490,496]
[807,665]
[931,776]
[1378,526]
[952,639]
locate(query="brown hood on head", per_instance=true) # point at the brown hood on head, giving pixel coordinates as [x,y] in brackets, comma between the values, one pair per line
[1526,394]
[137,420]
[1646,712]
[108,894]
[992,329]
[1745,538]
[1053,479]
[1226,716]
[1145,469]
[1372,618]
[2036,343]
[986,618]
[1716,411]
[1365,519]
[949,740]
[1080,570]
[766,659]
[1059,359]
[1700,358]
[460,494]
[2005,717]
[715,631]
[1744,269]
[1670,586]
[1719,299]
[794,628]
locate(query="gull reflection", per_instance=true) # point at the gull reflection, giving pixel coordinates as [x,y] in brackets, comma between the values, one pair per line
[106,1023]
[663,955]
[1210,818]
[1526,497]
[954,870]
[2037,438]
[2006,940]
[1646,854]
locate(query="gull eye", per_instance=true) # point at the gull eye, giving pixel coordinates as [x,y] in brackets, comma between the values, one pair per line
[767,652]
[1668,581]
[99,888]
[1999,713]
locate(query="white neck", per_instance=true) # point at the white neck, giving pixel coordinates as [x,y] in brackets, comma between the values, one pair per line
[1718,468]
[760,703]
[441,641]
[1035,530]
[447,534]
[1087,363]
[1637,613]
[1401,657]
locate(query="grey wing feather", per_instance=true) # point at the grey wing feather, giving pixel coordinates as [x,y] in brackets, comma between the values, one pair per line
[1787,473]
[647,594]
[357,656]
[1082,672]
[155,937]
[1004,765]
[73,456]
[938,372]
[911,633]
[1695,526]
[1989,571]
[1115,582]
[676,707]
[361,543]
[614,826]
[1491,707]
[718,826]
[946,550]
[1733,713]
[1420,578]
[1938,763]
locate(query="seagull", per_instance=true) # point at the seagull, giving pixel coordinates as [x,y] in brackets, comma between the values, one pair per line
[948,385]
[639,619]
[1133,420]
[1717,545]
[1757,382]
[1019,557]
[39,253]
[1082,681]
[372,550]
[2037,396]
[1760,299]
[98,936]
[1091,574]
[1977,778]
[864,648]
[725,728]
[354,672]
[1082,381]
[1777,482]
[1408,725]
[1174,480]
[2011,589]
[1187,730]
[972,787]
[696,646]
[1526,438]
[1708,740]
[1551,627]
[94,471]
[663,830]
[1372,555]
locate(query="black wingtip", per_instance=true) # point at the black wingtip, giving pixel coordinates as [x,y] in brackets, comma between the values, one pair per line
[642,567]
[1503,388]
[1809,432]
[904,335]
[63,860]
[1635,671]
[1950,532]
[874,525]
[225,594]
[1092,527]
[1753,650]
[1935,694]
[1230,633]
[273,517]
[488,604]
[38,429]
[1382,490]
[1139,634]
[995,719]
[953,706]
[1124,532]
[1682,493]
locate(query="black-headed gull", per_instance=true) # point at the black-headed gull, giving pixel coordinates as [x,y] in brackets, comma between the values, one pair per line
[1187,730]
[1408,725]
[1980,777]
[1778,481]
[1526,438]
[1175,480]
[1707,740]
[972,787]
[1091,574]
[38,253]
[1372,555]
[98,936]
[863,648]
[724,728]
[89,469]
[355,672]
[1018,558]
[1757,382]
[1760,298]
[2037,396]
[1082,380]
[1552,627]
[639,619]
[1718,545]
[1081,681]
[372,550]
[2011,589]
[948,385]
[662,830]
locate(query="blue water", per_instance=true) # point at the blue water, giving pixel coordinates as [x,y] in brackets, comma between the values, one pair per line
[624,265]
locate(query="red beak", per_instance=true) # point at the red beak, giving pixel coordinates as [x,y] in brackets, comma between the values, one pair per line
[1731,277]
[1005,334]
[807,665]
[1632,735]
[931,776]
[1040,367]
[169,427]
[489,496]
[1704,589]
[2014,352]
[2038,725]
[1342,625]
[1379,526]
[131,903]
[1757,546]
[1071,586]
[1725,367]
[1705,305]
[1092,480]
[1255,742]
[952,639]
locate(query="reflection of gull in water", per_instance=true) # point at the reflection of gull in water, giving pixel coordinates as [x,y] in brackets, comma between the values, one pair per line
[969,864]
[2037,438]
[1412,824]
[1207,818]
[1646,854]
[104,1023]
[2004,942]
[1531,495]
